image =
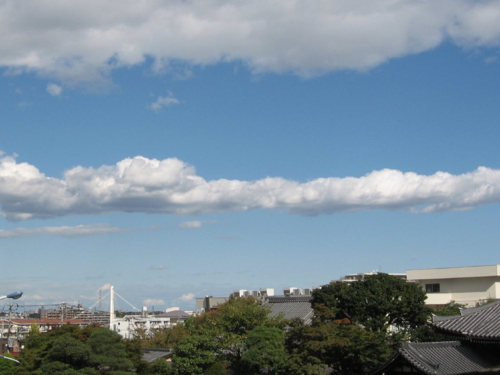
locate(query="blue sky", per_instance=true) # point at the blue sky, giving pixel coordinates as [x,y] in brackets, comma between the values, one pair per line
[177,149]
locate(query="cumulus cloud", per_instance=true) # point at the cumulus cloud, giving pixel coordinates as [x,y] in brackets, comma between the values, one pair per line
[171,186]
[163,101]
[195,224]
[64,231]
[187,297]
[82,41]
[54,90]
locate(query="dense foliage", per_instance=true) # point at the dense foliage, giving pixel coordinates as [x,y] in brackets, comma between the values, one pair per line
[74,350]
[379,303]
[218,339]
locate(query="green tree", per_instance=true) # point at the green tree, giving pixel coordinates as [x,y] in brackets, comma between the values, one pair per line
[71,349]
[7,367]
[167,337]
[220,335]
[451,308]
[196,353]
[160,367]
[108,351]
[378,303]
[266,351]
[338,345]
[68,350]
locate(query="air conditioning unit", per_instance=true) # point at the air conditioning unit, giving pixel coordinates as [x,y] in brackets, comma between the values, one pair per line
[267,292]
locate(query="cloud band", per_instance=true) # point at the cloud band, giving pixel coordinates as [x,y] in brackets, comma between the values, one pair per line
[171,186]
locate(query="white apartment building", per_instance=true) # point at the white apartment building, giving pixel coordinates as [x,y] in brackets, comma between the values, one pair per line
[465,285]
[130,325]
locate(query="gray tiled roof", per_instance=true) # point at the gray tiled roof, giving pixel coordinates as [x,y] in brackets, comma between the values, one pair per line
[478,323]
[151,355]
[291,307]
[445,358]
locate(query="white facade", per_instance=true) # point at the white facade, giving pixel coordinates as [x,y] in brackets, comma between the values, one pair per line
[131,324]
[465,285]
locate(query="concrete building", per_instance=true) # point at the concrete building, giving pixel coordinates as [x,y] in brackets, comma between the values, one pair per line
[465,285]
[209,302]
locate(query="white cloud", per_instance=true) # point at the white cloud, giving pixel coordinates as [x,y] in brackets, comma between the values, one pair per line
[163,101]
[187,297]
[195,224]
[82,41]
[65,231]
[106,286]
[171,186]
[54,90]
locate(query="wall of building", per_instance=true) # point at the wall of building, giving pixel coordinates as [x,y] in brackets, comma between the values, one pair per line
[465,285]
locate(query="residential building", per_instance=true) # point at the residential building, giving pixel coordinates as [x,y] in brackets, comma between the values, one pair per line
[130,325]
[465,285]
[79,312]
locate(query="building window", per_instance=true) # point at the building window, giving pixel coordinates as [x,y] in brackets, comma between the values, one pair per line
[431,288]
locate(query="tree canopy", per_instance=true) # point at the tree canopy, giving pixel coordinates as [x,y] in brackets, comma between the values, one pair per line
[379,302]
[74,350]
[218,338]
